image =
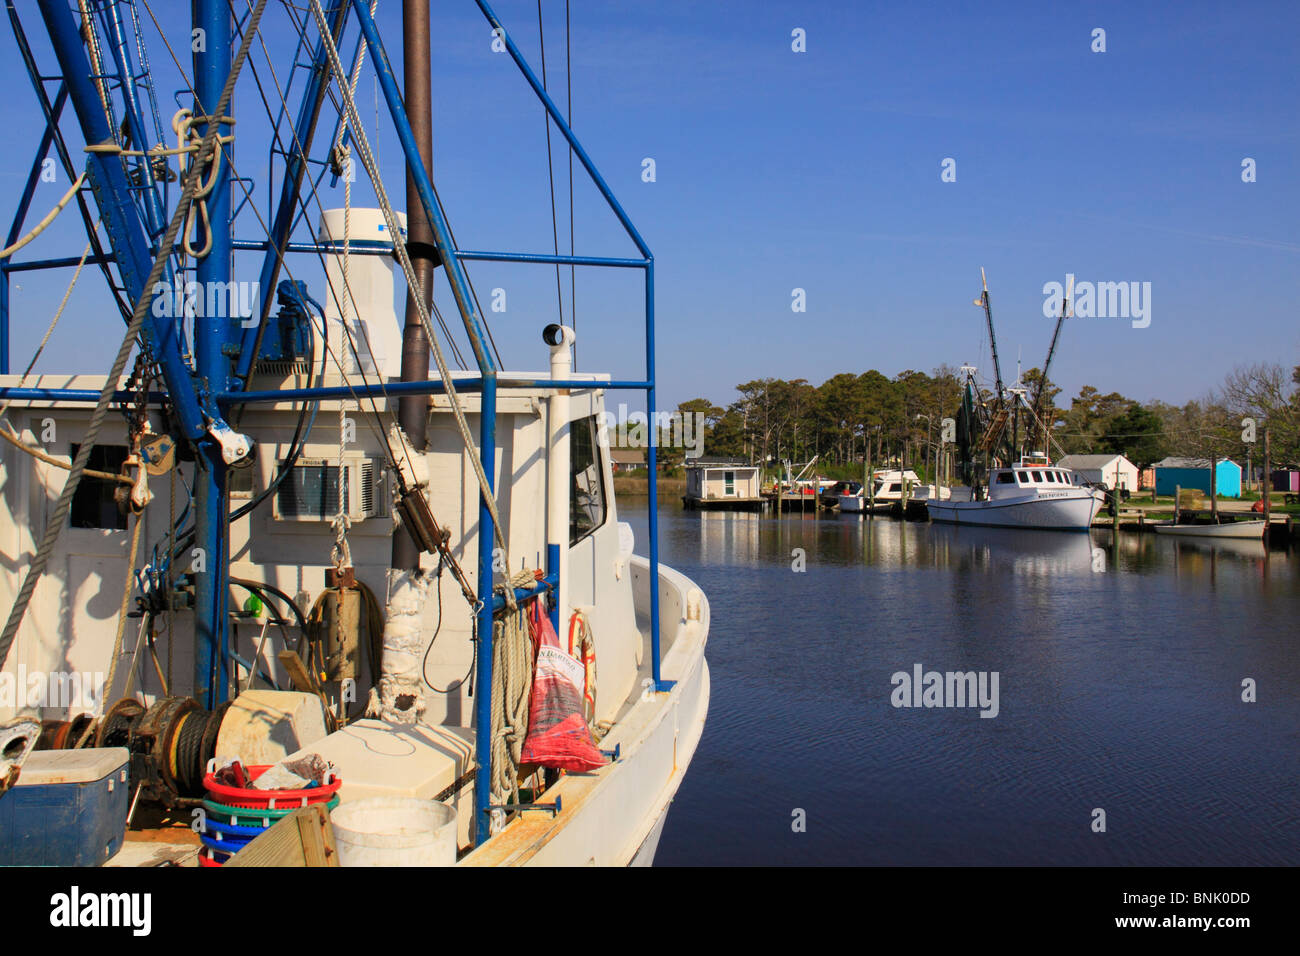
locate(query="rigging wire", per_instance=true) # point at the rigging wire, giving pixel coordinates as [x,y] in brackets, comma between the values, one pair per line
[568,119]
[383,438]
[55,526]
[343,134]
[550,168]
[368,159]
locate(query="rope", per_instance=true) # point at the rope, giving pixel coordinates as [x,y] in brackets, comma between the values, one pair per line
[49,218]
[187,141]
[52,530]
[341,553]
[512,682]
[390,218]
[58,314]
[126,603]
[8,435]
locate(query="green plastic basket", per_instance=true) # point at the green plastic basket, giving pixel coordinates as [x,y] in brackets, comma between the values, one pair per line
[247,817]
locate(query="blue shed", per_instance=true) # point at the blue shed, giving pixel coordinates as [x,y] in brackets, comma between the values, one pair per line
[1172,473]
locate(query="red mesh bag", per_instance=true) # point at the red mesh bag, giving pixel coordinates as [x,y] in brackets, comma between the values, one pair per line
[558,735]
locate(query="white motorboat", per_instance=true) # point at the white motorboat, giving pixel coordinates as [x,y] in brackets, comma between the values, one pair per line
[1031,494]
[887,490]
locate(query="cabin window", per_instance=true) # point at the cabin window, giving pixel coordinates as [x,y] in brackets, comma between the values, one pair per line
[1024,478]
[240,481]
[729,482]
[92,503]
[587,490]
[1006,478]
[1038,476]
[1050,476]
[895,487]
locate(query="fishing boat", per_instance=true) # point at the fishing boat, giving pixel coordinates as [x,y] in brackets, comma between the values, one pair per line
[1021,489]
[280,532]
[1030,494]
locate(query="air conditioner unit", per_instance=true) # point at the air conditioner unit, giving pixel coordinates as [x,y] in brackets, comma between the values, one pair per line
[310,491]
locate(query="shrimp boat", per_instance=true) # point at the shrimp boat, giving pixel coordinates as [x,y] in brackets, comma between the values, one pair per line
[269,528]
[1022,490]
[1031,494]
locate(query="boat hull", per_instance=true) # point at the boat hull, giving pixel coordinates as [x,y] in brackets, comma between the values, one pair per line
[1233,530]
[615,815]
[1072,512]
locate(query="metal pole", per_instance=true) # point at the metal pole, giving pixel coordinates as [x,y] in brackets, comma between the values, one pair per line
[652,461]
[211,333]
[413,410]
[483,682]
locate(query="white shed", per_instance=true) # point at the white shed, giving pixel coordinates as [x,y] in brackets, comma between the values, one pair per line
[1113,471]
[721,484]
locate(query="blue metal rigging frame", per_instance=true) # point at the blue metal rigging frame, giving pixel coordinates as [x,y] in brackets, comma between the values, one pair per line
[216,383]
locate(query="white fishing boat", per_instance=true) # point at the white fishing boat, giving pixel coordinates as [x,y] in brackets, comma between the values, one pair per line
[294,539]
[1031,494]
[1224,530]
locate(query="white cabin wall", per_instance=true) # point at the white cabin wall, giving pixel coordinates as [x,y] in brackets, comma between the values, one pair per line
[71,622]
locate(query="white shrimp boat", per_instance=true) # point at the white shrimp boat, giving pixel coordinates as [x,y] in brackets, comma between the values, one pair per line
[290,457]
[1031,494]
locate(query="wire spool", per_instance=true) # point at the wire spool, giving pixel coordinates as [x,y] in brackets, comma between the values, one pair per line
[115,728]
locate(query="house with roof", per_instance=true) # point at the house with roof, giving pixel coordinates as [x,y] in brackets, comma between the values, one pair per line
[1113,472]
[1174,472]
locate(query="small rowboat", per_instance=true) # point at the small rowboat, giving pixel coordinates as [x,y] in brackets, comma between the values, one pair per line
[1228,529]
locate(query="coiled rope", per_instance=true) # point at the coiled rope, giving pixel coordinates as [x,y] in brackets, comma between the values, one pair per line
[512,682]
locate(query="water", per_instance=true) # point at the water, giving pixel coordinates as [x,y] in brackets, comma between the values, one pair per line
[1120,688]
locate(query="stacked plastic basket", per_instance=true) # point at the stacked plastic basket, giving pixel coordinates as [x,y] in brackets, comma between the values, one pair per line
[233,815]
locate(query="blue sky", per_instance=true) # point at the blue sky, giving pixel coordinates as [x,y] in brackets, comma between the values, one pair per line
[820,170]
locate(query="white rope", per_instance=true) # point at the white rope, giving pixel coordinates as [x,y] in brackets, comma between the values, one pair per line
[188,141]
[390,218]
[512,682]
[58,314]
[50,216]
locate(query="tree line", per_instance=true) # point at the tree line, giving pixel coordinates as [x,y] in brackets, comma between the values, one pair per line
[849,418]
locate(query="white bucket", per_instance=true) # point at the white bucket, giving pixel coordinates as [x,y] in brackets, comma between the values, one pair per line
[394,831]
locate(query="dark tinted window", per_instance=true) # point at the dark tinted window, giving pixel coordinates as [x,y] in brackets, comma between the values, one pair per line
[587,490]
[1006,478]
[92,503]
[1024,478]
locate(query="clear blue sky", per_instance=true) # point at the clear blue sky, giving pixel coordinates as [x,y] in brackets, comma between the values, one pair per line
[821,170]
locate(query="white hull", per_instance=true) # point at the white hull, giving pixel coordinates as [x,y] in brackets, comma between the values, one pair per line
[1059,511]
[1229,530]
[614,816]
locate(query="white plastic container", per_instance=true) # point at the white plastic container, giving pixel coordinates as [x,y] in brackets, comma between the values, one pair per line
[395,831]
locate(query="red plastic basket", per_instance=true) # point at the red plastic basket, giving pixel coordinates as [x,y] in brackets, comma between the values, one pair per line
[249,798]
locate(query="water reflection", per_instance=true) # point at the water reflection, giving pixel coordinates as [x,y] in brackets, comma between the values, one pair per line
[1121,660]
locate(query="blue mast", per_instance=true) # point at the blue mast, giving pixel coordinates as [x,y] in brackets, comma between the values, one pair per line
[213,25]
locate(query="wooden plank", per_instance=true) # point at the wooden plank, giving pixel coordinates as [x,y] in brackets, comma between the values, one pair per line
[303,838]
[304,682]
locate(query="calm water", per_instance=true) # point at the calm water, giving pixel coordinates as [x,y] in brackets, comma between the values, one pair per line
[1119,688]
